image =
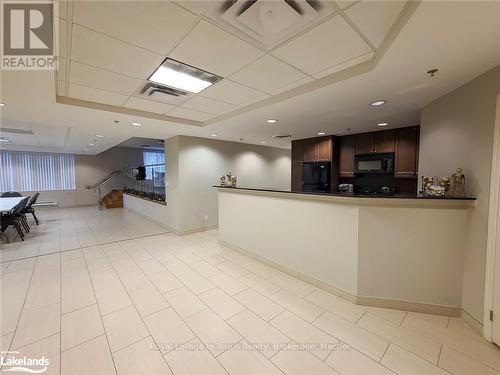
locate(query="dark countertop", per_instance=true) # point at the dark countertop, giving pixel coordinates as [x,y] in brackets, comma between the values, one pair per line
[347,195]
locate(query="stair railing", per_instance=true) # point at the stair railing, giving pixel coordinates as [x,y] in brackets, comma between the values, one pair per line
[98,185]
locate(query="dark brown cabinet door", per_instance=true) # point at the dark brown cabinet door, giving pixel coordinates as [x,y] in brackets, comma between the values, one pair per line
[406,152]
[346,156]
[296,176]
[310,150]
[384,141]
[364,143]
[324,148]
[297,150]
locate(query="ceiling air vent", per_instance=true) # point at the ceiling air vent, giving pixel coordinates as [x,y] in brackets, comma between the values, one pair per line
[153,88]
[282,136]
[270,22]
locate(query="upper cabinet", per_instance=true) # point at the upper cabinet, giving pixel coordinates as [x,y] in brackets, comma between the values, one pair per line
[384,141]
[317,149]
[346,156]
[297,160]
[406,152]
[375,142]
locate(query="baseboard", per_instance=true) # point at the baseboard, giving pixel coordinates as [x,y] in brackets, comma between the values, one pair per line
[475,324]
[196,230]
[358,300]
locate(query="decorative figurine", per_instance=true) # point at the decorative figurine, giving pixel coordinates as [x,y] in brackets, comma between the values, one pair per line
[222,181]
[444,182]
[427,183]
[457,189]
[231,180]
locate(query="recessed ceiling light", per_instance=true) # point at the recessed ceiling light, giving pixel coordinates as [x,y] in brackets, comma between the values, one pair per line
[3,140]
[377,103]
[183,77]
[136,124]
[321,133]
[272,121]
[84,149]
[99,136]
[383,124]
[214,135]
[2,104]
[263,142]
[90,144]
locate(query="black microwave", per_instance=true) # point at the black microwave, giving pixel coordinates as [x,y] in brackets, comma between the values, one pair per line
[374,163]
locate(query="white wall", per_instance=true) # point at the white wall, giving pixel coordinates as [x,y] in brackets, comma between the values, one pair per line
[195,164]
[457,131]
[89,169]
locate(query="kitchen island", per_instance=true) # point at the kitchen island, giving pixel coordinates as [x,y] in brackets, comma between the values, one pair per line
[395,252]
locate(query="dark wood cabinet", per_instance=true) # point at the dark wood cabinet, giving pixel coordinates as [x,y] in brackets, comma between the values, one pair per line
[317,149]
[364,143]
[297,161]
[346,156]
[375,142]
[310,150]
[383,141]
[406,152]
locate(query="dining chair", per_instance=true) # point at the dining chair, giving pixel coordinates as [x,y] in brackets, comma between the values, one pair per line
[11,194]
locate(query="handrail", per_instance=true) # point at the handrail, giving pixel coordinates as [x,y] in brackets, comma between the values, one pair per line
[105,180]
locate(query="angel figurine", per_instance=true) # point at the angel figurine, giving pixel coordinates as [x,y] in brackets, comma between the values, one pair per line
[457,189]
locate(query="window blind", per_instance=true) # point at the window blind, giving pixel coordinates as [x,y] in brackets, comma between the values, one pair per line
[151,157]
[33,171]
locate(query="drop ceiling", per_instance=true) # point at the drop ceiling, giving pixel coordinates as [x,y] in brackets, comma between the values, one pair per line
[262,49]
[307,95]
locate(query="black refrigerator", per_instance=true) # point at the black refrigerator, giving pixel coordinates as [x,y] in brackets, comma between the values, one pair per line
[316,176]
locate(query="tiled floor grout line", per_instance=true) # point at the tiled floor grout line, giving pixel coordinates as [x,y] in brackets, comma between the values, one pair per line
[179,249]
[100,316]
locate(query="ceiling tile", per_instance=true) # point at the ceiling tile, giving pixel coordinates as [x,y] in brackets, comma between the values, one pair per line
[214,50]
[327,45]
[20,139]
[99,50]
[298,83]
[267,74]
[96,96]
[61,88]
[61,69]
[346,64]
[89,76]
[50,136]
[154,25]
[375,18]
[195,6]
[148,105]
[207,105]
[345,3]
[63,38]
[188,114]
[231,92]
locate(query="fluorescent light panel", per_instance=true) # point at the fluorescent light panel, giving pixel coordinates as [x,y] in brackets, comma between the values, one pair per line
[181,76]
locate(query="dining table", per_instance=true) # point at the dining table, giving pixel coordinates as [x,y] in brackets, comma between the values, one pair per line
[8,203]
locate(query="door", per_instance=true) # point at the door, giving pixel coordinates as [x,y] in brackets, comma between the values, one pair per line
[406,152]
[346,156]
[384,141]
[364,143]
[324,147]
[310,150]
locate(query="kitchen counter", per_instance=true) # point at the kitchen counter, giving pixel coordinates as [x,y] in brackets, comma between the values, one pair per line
[365,199]
[368,249]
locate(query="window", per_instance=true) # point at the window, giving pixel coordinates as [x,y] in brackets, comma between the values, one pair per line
[151,160]
[27,171]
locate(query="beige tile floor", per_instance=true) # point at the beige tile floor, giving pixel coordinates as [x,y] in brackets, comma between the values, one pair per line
[163,304]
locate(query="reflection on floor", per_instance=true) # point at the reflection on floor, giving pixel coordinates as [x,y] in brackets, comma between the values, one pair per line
[165,304]
[73,228]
